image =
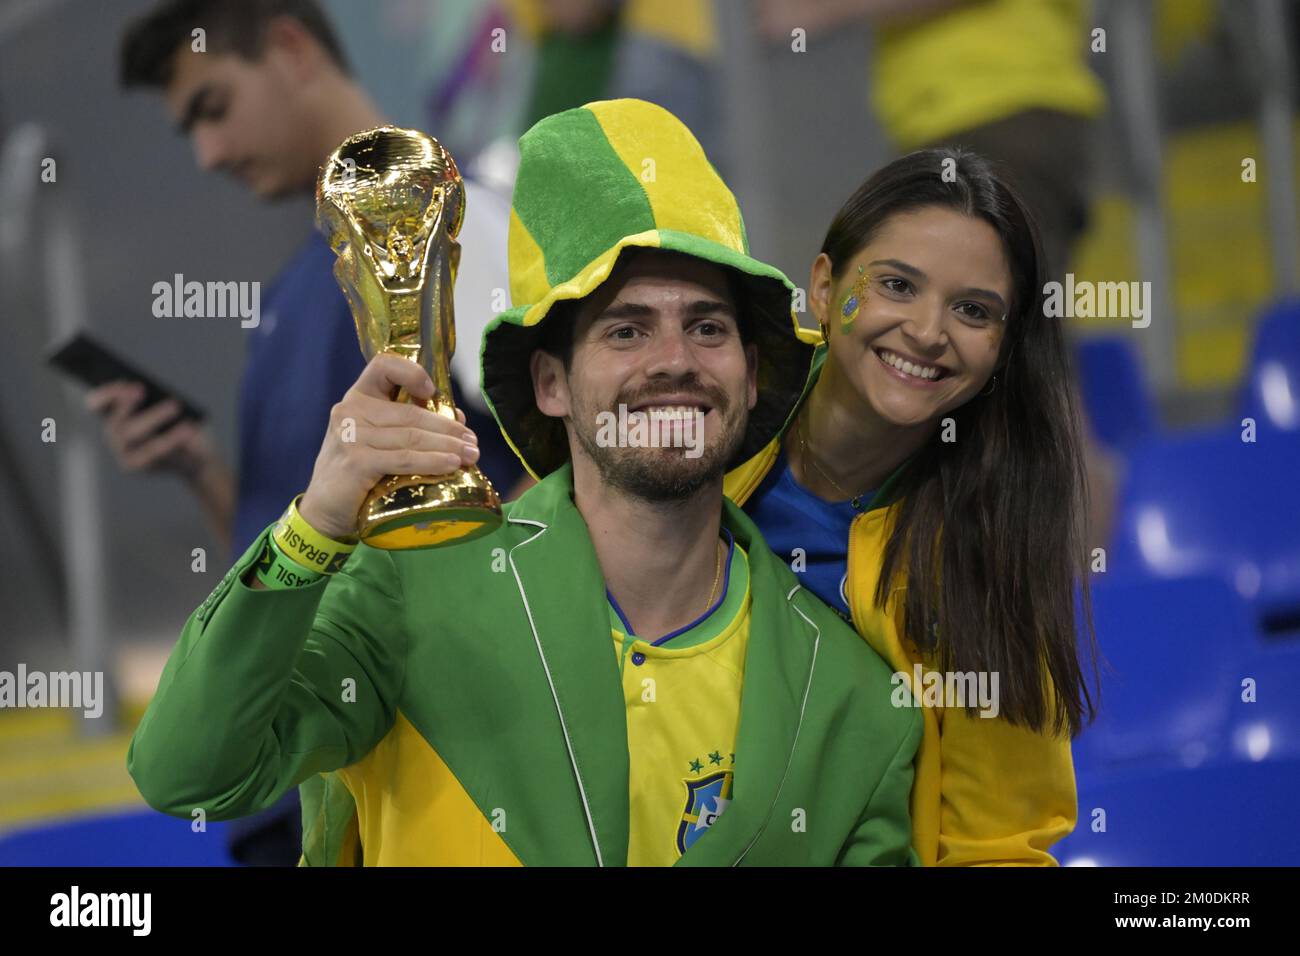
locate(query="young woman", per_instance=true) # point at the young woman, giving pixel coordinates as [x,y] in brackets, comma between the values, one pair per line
[930,488]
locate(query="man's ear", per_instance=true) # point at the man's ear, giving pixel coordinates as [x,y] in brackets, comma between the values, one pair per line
[819,290]
[751,373]
[294,48]
[550,384]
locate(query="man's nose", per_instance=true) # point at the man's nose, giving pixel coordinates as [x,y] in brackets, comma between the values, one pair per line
[209,149]
[670,353]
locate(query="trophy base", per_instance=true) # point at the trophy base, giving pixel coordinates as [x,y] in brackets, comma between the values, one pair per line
[414,512]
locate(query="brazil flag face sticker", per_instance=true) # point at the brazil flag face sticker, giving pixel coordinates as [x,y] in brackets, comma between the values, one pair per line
[853,301]
[706,798]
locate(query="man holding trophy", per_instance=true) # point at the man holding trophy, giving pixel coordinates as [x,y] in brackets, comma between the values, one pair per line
[559,681]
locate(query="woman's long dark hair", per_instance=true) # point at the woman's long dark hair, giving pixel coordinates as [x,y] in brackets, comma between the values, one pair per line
[991,527]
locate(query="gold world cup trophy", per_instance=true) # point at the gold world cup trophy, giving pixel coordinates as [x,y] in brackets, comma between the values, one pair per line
[391,203]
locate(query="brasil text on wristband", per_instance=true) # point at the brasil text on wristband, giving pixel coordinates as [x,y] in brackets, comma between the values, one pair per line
[277,571]
[302,543]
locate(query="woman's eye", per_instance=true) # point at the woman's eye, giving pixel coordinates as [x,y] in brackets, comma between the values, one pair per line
[974,311]
[896,285]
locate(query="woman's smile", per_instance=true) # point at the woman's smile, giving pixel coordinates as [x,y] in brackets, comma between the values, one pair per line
[910,370]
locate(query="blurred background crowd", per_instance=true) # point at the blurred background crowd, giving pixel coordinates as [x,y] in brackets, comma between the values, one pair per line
[1154,139]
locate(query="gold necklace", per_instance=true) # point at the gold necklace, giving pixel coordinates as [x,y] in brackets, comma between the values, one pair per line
[716,577]
[808,456]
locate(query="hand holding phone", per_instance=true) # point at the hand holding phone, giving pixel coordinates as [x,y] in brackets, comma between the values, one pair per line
[156,437]
[148,426]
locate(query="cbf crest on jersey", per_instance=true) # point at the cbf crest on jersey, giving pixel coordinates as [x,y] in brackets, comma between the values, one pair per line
[706,798]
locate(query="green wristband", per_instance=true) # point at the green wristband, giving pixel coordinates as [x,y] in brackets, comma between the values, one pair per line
[280,572]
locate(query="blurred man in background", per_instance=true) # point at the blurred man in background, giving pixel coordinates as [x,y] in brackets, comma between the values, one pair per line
[264,92]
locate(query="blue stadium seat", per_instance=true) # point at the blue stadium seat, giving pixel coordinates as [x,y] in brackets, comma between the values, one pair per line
[1205,502]
[1115,394]
[1269,725]
[1170,674]
[132,838]
[1272,388]
[1223,814]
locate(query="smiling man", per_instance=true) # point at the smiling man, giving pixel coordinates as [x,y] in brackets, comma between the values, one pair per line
[623,673]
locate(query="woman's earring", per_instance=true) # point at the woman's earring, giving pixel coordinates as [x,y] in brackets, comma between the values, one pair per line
[993,383]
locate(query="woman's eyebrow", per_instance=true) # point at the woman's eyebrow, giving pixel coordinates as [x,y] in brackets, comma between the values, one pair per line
[916,273]
[901,266]
[987,294]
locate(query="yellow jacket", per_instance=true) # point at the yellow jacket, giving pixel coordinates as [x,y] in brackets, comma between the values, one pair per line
[986,792]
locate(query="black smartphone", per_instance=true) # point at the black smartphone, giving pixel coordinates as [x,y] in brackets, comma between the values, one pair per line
[94,364]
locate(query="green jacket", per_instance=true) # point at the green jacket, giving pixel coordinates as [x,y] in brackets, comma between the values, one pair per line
[472,696]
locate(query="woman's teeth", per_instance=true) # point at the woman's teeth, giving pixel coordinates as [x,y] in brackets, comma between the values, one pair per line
[926,372]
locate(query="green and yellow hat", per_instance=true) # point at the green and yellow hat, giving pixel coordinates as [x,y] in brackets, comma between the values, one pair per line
[593,181]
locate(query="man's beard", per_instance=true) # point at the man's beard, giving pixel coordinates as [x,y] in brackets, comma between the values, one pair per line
[664,474]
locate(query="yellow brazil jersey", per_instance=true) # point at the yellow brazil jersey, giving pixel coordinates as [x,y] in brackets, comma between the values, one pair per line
[943,73]
[686,24]
[682,695]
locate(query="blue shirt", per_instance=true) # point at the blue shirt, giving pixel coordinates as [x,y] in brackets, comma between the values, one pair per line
[810,534]
[626,625]
[302,357]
